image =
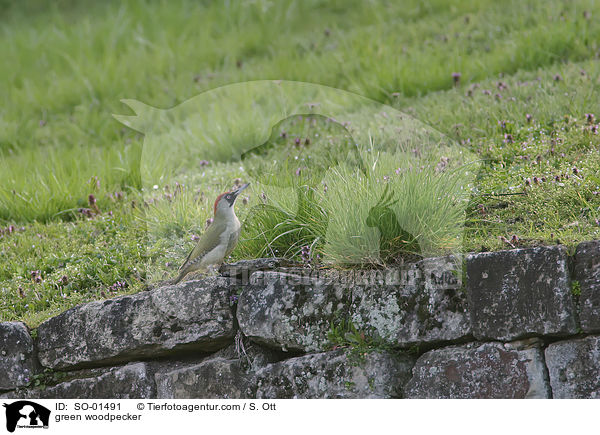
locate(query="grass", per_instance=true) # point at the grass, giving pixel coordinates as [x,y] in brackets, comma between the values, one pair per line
[68,64]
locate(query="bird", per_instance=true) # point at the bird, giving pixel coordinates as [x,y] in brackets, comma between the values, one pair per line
[219,239]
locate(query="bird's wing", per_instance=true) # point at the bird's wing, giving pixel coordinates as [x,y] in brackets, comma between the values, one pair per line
[209,241]
[233,239]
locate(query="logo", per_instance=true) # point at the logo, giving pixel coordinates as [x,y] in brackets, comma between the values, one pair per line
[338,178]
[26,414]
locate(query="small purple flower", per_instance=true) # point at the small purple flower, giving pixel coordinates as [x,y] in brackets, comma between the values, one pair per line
[557,77]
[456,78]
[85,211]
[305,254]
[589,117]
[297,141]
[204,163]
[208,222]
[508,138]
[528,117]
[119,285]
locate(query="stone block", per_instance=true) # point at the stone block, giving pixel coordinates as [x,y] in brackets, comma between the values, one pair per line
[479,371]
[574,367]
[520,293]
[194,315]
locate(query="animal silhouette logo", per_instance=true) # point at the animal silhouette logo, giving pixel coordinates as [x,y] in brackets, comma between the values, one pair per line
[26,414]
[317,158]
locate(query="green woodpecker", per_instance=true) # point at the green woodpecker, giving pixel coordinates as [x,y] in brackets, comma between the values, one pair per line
[218,240]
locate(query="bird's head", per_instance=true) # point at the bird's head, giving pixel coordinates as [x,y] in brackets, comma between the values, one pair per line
[225,201]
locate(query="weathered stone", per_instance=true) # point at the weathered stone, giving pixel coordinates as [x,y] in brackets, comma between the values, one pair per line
[587,273]
[216,378]
[335,374]
[194,315]
[477,371]
[520,293]
[288,312]
[424,304]
[132,381]
[227,374]
[574,367]
[16,355]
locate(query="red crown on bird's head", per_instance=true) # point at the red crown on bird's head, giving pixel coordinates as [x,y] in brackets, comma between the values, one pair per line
[217,201]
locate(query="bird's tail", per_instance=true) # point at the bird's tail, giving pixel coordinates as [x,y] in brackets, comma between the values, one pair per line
[179,277]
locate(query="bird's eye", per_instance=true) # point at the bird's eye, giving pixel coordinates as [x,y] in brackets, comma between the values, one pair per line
[228,196]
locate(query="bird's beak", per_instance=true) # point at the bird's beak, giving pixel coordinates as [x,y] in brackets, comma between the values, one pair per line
[237,192]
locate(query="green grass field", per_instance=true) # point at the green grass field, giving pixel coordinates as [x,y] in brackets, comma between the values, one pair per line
[516,84]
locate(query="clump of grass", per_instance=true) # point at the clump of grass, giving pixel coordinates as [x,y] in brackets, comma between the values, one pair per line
[342,225]
[427,212]
[343,334]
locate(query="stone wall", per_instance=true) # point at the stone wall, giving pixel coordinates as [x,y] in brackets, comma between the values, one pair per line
[523,323]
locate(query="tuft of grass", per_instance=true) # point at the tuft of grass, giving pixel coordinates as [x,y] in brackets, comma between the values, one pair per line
[345,335]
